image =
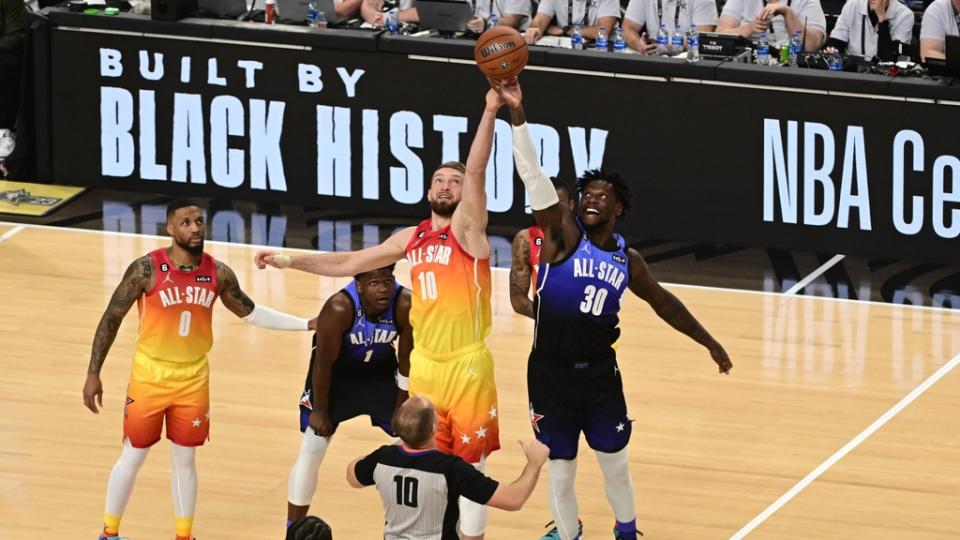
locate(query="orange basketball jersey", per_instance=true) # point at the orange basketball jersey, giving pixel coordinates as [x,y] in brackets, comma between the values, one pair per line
[536,244]
[176,315]
[451,292]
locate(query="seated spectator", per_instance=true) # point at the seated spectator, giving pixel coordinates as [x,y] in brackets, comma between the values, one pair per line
[14,24]
[406,12]
[513,13]
[778,19]
[643,17]
[553,19]
[940,19]
[872,28]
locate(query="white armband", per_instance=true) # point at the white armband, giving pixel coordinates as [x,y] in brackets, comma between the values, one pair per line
[539,187]
[403,383]
[265,317]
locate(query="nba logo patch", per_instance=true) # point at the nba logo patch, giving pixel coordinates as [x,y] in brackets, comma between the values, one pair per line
[443,236]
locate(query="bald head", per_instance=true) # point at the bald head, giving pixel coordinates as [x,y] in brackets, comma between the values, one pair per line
[416,422]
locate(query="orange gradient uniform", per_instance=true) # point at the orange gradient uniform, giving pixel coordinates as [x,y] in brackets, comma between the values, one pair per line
[536,244]
[170,377]
[450,363]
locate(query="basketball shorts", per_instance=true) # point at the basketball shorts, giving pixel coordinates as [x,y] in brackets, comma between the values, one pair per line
[178,394]
[565,401]
[462,387]
[351,397]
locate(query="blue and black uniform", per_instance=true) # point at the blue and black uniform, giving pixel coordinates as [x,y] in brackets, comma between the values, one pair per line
[363,377]
[573,379]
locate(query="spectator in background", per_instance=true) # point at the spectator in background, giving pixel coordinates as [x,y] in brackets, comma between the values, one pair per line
[348,8]
[513,13]
[14,25]
[778,19]
[643,17]
[406,12]
[553,18]
[940,20]
[872,28]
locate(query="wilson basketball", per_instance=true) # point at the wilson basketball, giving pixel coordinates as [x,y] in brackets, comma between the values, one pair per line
[500,52]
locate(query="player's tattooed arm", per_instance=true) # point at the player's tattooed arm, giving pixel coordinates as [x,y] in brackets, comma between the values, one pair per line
[135,281]
[669,308]
[520,275]
[231,294]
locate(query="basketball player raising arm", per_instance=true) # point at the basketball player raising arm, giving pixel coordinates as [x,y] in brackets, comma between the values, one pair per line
[175,288]
[449,257]
[586,267]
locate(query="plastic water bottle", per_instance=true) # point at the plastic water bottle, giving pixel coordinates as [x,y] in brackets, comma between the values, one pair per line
[693,44]
[836,63]
[676,43]
[576,40]
[321,20]
[619,41]
[795,47]
[663,41]
[763,51]
[393,21]
[312,11]
[602,43]
[492,21]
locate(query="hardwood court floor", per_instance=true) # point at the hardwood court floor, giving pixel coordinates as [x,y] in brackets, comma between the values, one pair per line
[708,454]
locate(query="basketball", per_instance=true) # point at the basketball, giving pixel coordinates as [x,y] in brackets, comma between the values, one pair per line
[500,52]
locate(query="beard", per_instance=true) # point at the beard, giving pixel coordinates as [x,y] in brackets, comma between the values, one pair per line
[193,250]
[443,208]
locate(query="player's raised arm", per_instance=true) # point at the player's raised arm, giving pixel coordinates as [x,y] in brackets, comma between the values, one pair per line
[137,279]
[404,347]
[558,222]
[520,274]
[242,306]
[334,321]
[340,264]
[469,221]
[669,308]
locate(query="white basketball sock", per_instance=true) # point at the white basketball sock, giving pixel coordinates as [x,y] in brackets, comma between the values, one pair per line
[473,516]
[303,475]
[183,484]
[123,476]
[618,484]
[563,498]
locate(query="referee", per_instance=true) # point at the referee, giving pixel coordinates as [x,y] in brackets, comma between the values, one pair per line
[419,486]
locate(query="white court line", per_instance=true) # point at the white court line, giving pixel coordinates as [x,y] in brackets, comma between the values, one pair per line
[664,283]
[847,448]
[813,275]
[12,232]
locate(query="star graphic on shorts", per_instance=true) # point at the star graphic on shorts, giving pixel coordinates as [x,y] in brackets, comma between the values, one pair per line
[207,416]
[465,439]
[535,418]
[197,422]
[620,427]
[481,433]
[493,412]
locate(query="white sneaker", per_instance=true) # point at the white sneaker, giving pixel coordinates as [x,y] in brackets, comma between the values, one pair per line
[7,143]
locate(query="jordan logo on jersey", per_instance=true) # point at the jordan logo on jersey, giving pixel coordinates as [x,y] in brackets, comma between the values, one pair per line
[601,270]
[191,295]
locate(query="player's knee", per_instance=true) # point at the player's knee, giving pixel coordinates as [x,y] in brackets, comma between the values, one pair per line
[183,456]
[615,466]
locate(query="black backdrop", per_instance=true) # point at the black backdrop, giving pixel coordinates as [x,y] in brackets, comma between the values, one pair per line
[694,153]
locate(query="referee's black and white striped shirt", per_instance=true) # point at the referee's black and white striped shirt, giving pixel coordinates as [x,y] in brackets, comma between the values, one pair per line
[420,491]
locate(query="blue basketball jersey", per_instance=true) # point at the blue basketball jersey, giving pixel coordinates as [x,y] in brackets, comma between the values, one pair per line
[368,345]
[577,305]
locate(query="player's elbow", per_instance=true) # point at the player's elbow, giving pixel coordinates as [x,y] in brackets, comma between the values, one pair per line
[520,303]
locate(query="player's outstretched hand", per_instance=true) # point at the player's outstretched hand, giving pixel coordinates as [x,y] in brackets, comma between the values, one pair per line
[719,356]
[509,90]
[93,393]
[267,257]
[537,453]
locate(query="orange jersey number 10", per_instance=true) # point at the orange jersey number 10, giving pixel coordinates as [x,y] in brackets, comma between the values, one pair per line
[428,285]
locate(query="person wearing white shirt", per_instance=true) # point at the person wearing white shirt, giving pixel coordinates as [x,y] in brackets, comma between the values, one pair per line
[513,13]
[553,18]
[643,17]
[406,13]
[872,28]
[941,19]
[780,19]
